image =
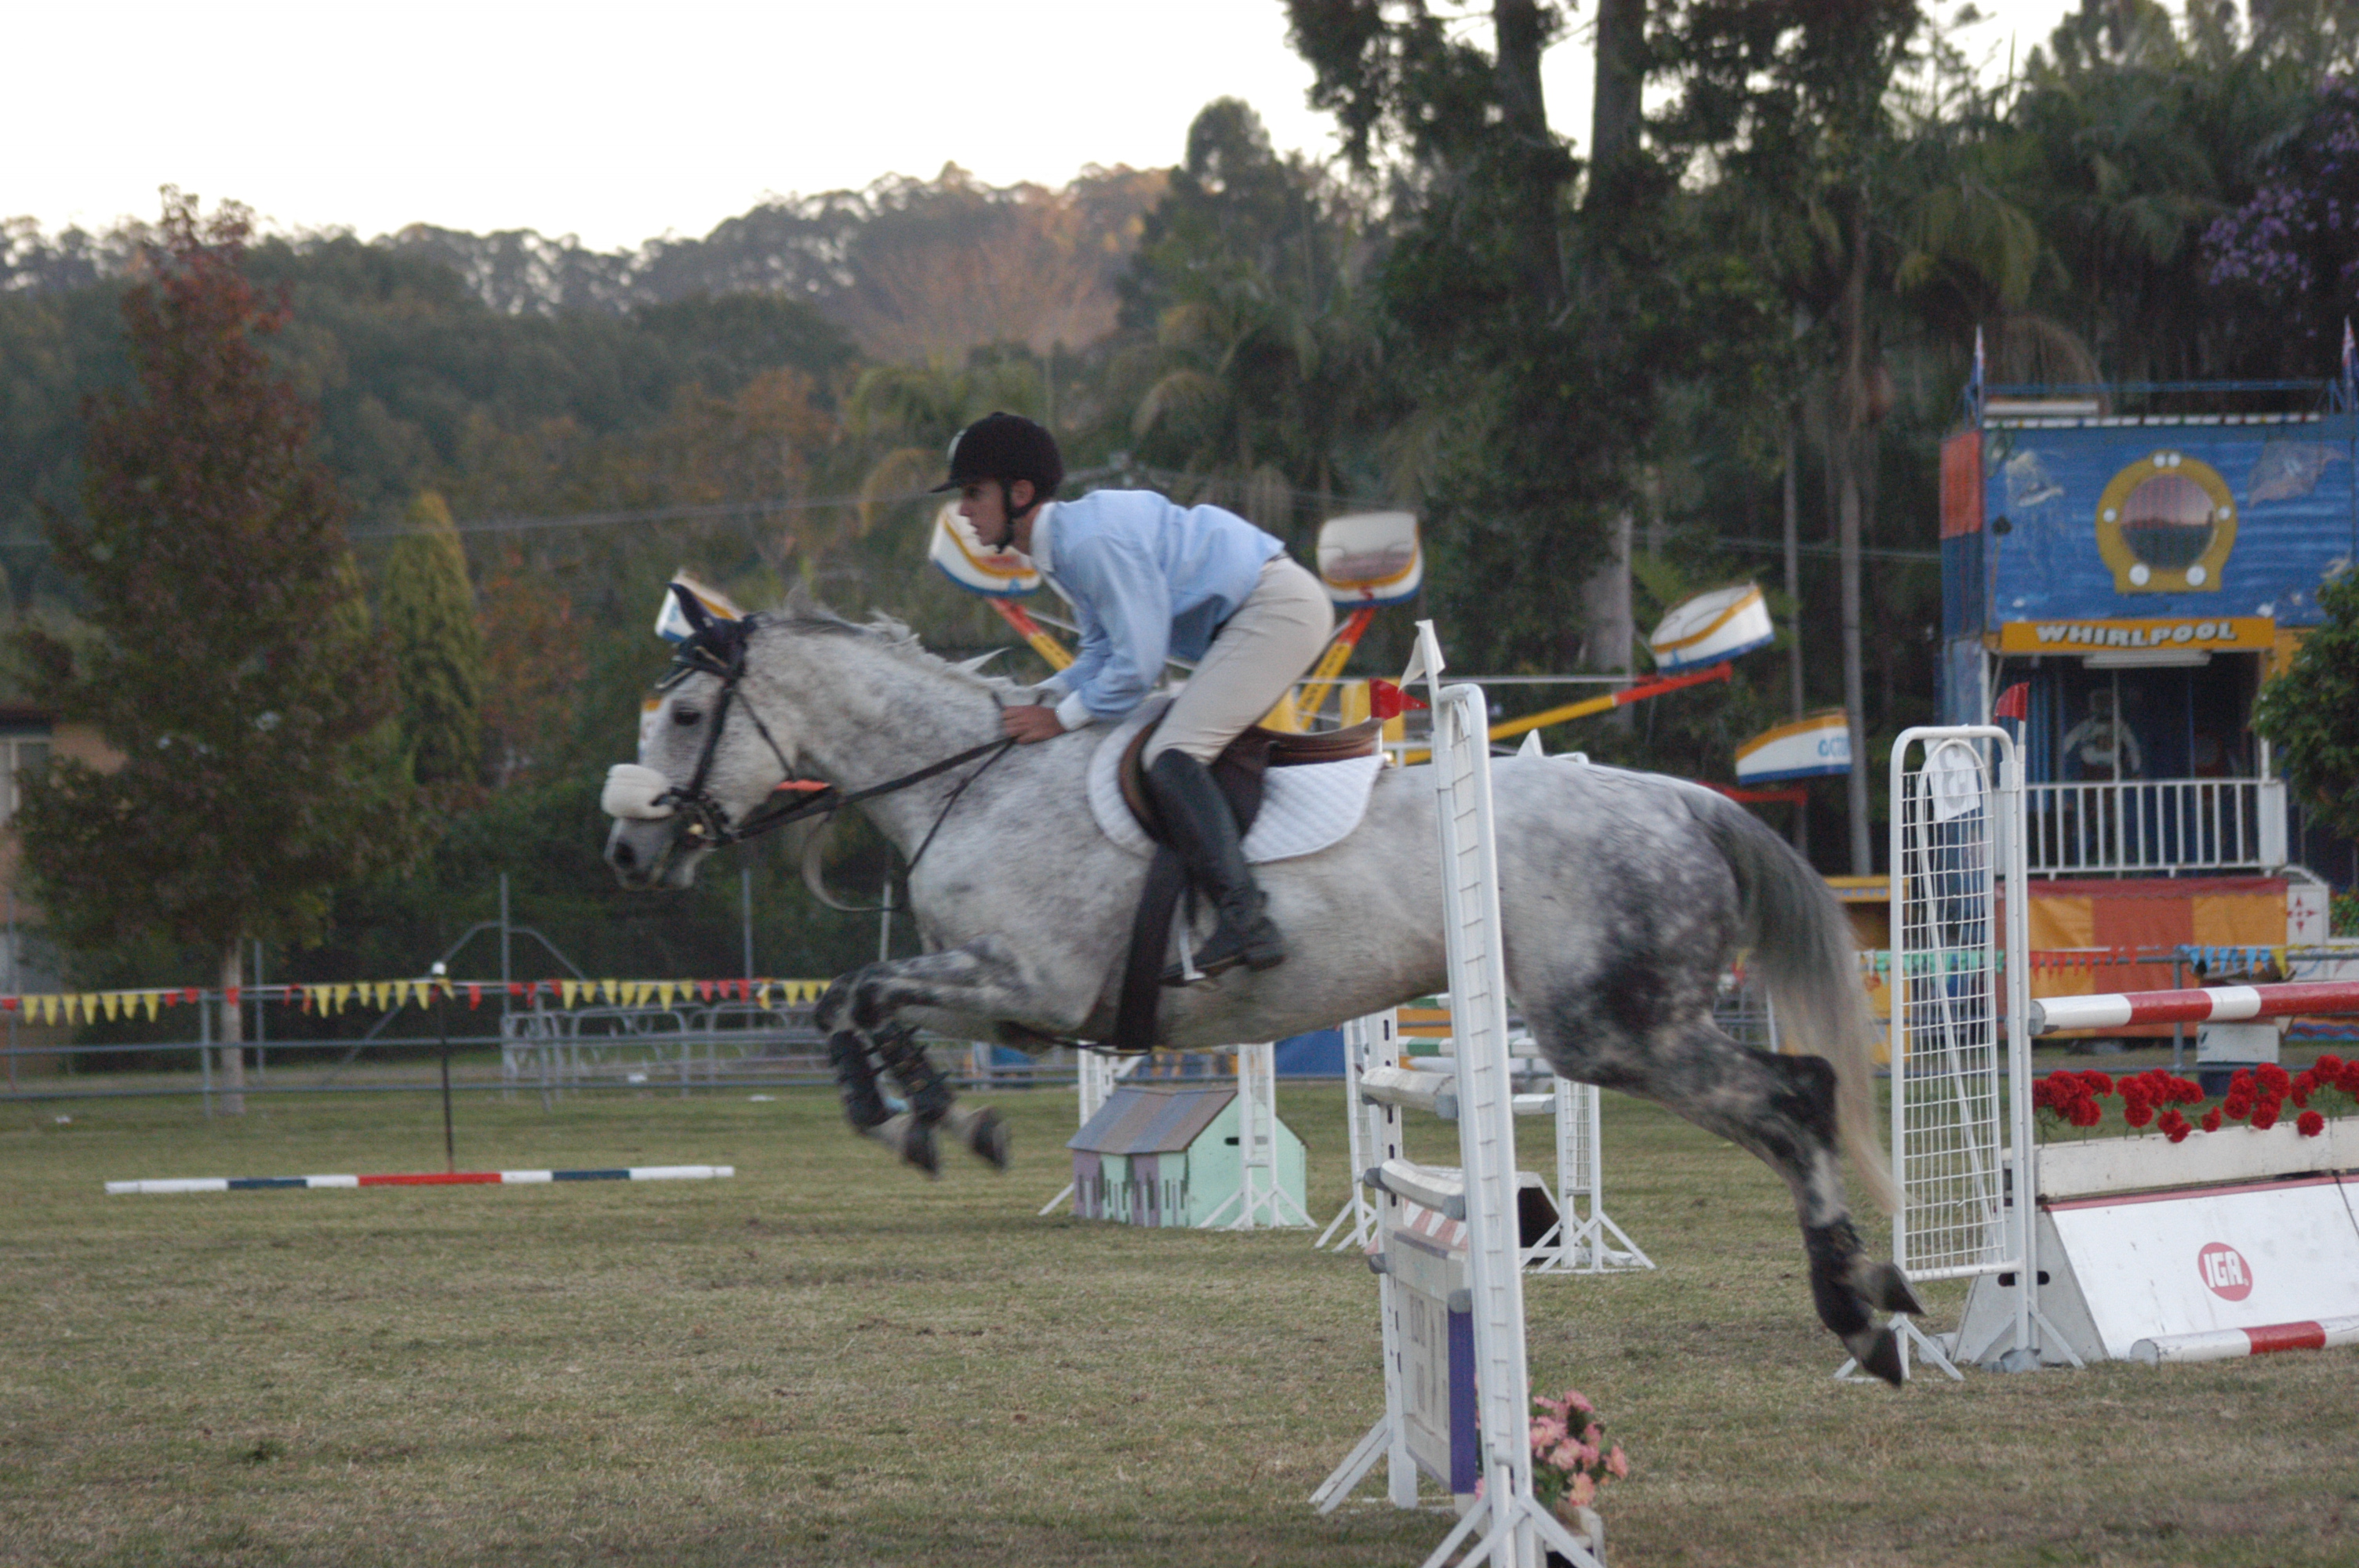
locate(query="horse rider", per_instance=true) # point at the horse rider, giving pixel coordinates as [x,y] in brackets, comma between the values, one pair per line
[1150,579]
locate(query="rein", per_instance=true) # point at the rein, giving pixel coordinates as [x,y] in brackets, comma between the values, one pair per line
[718,649]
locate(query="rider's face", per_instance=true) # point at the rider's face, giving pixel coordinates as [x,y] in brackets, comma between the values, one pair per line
[984,506]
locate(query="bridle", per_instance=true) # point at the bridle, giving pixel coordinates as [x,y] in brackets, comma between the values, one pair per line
[717,648]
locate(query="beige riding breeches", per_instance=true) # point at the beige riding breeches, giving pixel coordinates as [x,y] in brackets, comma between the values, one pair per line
[1259,652]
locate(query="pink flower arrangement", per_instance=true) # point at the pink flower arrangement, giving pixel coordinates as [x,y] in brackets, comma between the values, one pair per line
[2256,1095]
[1570,1457]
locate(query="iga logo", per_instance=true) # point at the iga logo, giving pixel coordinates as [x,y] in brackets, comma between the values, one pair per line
[2224,1271]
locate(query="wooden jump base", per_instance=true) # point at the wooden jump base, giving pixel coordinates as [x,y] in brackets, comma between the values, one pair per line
[423,1179]
[2219,1004]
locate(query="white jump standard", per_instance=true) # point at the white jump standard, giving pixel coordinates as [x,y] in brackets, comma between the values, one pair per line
[1577,1237]
[1516,1531]
[2115,1249]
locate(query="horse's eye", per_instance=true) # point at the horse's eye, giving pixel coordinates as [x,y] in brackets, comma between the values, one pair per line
[685,716]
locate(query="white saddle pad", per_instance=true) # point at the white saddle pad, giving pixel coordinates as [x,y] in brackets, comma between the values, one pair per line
[1303,808]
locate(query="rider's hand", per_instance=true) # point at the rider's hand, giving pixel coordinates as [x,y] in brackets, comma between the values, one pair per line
[1030,724]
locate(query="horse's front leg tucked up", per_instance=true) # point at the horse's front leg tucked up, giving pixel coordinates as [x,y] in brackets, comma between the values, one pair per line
[905,1132]
[862,1007]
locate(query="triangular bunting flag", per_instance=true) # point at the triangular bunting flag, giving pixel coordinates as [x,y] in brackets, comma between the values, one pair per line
[566,990]
[609,986]
[704,991]
[474,996]
[89,1007]
[110,999]
[337,995]
[234,993]
[764,999]
[150,998]
[663,994]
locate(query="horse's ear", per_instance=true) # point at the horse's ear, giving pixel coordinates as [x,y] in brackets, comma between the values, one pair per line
[699,620]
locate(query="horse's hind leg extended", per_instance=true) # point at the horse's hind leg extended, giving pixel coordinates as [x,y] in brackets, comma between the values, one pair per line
[1782,1108]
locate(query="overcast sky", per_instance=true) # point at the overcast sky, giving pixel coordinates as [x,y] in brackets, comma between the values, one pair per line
[620,123]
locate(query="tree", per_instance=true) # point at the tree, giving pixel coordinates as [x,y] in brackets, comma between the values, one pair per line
[2311,712]
[1530,343]
[1792,99]
[1248,359]
[429,610]
[230,661]
[2293,248]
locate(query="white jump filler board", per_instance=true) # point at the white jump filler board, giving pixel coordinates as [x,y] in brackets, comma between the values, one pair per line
[2199,1260]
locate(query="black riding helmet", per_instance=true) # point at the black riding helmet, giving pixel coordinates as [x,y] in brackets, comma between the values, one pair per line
[1006,447]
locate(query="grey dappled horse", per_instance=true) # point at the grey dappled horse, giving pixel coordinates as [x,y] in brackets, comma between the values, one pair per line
[1623,895]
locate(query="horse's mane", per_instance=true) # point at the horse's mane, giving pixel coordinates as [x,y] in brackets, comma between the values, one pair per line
[804,615]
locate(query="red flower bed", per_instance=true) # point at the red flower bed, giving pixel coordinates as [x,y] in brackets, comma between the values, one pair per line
[2256,1095]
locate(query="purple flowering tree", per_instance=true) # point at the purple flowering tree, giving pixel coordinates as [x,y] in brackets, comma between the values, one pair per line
[2294,246]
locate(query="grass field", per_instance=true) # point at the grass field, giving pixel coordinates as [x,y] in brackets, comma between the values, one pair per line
[828,1360]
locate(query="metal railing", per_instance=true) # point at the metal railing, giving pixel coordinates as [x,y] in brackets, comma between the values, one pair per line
[548,1049]
[2155,827]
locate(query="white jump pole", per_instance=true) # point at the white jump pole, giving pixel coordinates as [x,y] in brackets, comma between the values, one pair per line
[1370,1041]
[1515,1530]
[1261,1200]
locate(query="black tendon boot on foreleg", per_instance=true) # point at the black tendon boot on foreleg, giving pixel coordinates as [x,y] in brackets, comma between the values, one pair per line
[855,1080]
[930,1092]
[1196,819]
[931,1100]
[864,1108]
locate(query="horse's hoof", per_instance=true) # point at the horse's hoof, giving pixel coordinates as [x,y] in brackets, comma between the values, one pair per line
[918,1148]
[1888,1288]
[1877,1350]
[989,1138]
[912,1140]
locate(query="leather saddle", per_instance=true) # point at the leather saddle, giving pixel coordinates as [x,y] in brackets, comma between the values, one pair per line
[1238,771]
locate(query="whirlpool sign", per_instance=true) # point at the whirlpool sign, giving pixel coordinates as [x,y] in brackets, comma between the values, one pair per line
[2064,536]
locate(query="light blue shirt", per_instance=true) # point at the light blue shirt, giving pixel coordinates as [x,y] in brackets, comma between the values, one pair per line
[1146,577]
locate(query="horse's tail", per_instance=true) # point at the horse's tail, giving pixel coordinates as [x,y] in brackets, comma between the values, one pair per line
[1802,945]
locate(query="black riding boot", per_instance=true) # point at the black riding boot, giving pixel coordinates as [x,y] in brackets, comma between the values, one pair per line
[1204,830]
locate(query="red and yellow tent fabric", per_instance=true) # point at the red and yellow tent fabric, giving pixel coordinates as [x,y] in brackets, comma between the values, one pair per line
[2105,921]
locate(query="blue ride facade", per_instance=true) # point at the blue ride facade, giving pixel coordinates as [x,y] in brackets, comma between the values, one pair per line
[2121,583]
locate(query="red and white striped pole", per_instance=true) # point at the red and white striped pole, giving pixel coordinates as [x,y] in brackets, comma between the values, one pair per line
[2218,1004]
[2228,1344]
